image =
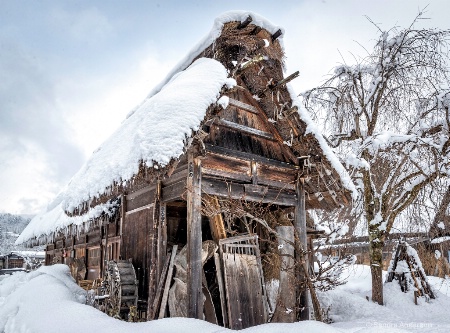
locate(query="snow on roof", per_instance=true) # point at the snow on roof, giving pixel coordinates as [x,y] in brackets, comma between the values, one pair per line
[155,133]
[219,22]
[312,128]
[56,219]
[440,240]
[32,254]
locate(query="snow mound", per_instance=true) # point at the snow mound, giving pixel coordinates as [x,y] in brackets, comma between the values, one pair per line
[48,300]
[349,308]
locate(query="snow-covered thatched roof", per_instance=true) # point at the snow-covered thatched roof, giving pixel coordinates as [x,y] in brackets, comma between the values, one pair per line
[156,133]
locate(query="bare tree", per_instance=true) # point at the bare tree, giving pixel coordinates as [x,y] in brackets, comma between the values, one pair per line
[441,222]
[388,118]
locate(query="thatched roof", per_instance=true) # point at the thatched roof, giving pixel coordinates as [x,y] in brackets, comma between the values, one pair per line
[157,132]
[254,56]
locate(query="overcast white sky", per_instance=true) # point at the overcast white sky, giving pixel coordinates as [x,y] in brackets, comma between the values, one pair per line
[70,71]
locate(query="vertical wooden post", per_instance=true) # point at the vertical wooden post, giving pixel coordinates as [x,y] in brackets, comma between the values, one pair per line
[220,282]
[123,211]
[73,247]
[152,252]
[155,232]
[284,312]
[102,248]
[107,257]
[194,238]
[300,226]
[162,236]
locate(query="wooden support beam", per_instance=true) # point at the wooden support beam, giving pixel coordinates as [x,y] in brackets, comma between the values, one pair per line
[300,226]
[162,308]
[284,312]
[245,129]
[103,248]
[216,222]
[277,34]
[194,238]
[245,23]
[152,261]
[123,209]
[248,192]
[159,255]
[162,236]
[242,105]
[277,84]
[284,81]
[256,30]
[249,156]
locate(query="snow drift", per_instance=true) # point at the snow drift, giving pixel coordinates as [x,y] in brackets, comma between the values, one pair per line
[48,300]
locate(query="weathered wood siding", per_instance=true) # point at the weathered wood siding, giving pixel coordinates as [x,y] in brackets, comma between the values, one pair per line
[244,283]
[135,244]
[138,233]
[244,127]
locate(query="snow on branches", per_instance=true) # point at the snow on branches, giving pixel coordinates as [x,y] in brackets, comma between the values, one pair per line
[387,116]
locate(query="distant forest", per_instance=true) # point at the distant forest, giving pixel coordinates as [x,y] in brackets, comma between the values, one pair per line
[10,228]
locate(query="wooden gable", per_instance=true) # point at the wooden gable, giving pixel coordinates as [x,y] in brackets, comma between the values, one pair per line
[243,126]
[246,156]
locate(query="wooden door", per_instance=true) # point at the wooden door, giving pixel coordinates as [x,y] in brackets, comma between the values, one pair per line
[244,282]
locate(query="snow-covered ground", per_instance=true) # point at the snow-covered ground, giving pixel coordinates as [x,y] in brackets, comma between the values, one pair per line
[352,312]
[48,300]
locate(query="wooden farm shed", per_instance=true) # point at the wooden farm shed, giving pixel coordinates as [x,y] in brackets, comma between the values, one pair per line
[196,222]
[12,260]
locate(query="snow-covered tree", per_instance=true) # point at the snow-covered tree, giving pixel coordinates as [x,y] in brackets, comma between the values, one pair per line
[388,118]
[440,225]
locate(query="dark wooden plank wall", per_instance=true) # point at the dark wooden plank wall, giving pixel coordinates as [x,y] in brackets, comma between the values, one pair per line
[140,198]
[138,230]
[225,131]
[232,139]
[227,167]
[135,244]
[93,262]
[247,176]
